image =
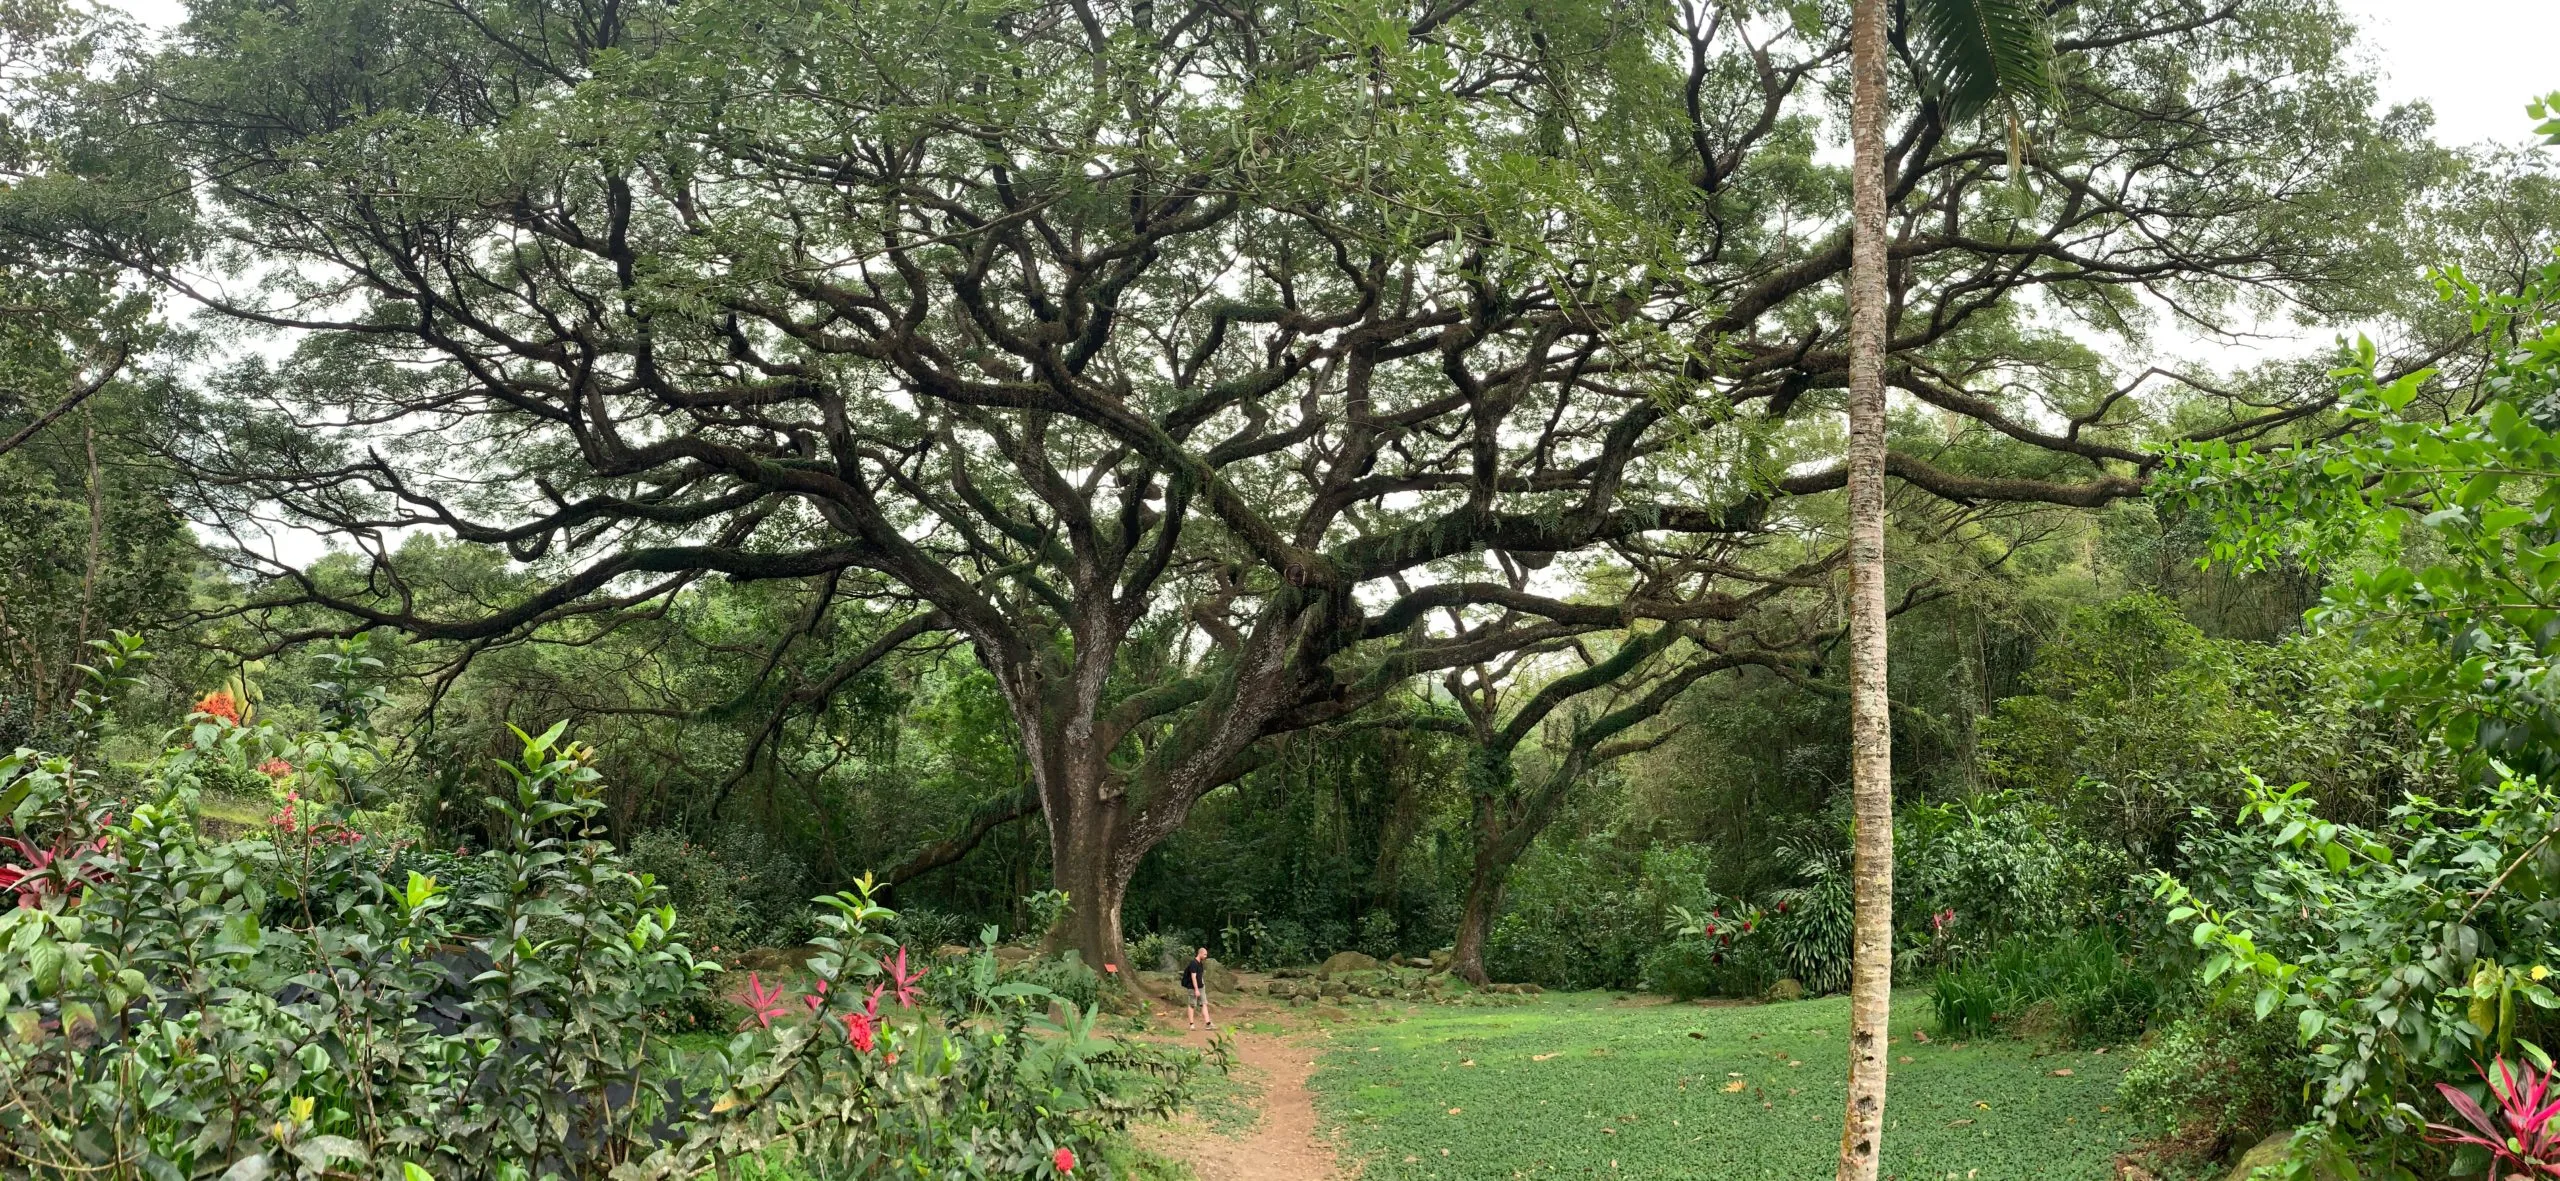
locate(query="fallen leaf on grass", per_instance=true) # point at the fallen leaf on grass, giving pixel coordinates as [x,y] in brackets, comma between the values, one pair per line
[2065,1072]
[1920,1035]
[1979,1103]
[1960,1123]
[1735,1085]
[1904,1059]
[1456,1110]
[1467,1062]
[1543,1057]
[1794,1063]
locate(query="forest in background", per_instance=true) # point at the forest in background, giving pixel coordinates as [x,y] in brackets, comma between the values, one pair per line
[1086,470]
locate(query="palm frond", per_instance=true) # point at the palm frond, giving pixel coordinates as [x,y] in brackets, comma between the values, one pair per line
[1973,53]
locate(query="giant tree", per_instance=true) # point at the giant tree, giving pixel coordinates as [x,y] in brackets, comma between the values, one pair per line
[1281,329]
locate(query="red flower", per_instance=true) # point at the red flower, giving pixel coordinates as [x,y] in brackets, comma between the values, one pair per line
[1065,1159]
[818,999]
[275,768]
[858,1030]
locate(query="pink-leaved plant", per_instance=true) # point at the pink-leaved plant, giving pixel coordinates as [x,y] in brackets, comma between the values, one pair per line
[2523,1139]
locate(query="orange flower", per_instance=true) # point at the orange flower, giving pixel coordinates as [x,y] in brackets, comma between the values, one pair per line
[219,704]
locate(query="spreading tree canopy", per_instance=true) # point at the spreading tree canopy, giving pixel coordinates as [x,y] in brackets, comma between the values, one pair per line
[1295,331]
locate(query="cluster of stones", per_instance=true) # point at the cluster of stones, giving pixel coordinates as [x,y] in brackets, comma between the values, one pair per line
[1350,975]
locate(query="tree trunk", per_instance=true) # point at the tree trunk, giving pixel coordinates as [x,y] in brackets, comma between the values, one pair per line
[1870,736]
[1084,843]
[1475,920]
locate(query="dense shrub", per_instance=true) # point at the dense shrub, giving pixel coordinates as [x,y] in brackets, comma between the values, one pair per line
[1970,874]
[2082,986]
[2397,957]
[1809,923]
[1587,914]
[1064,975]
[162,1026]
[2216,1077]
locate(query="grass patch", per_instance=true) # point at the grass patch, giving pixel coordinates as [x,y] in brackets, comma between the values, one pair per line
[1579,1086]
[232,816]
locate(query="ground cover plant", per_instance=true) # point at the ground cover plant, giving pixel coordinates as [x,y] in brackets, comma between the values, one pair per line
[1584,1084]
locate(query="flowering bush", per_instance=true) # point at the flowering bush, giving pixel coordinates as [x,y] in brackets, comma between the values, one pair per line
[278,1004]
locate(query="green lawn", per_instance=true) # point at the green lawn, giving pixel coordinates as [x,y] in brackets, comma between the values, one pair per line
[1582,1086]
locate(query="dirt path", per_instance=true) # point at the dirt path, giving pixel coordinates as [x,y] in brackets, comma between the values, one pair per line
[1283,1144]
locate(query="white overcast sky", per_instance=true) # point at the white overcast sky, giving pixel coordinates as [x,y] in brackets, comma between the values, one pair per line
[2476,61]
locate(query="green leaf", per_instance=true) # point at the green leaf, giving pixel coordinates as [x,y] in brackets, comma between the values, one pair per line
[1973,53]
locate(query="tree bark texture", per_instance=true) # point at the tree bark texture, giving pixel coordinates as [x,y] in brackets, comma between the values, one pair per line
[1870,733]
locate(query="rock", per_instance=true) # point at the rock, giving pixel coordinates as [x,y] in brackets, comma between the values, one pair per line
[1329,1013]
[1441,958]
[1287,973]
[1220,977]
[1787,989]
[950,951]
[1419,961]
[2269,1153]
[1342,962]
[1283,989]
[1010,955]
[1334,988]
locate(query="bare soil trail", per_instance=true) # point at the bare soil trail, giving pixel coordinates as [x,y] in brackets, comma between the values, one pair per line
[1284,1142]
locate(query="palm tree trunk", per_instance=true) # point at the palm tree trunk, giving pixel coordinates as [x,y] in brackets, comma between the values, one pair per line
[1870,736]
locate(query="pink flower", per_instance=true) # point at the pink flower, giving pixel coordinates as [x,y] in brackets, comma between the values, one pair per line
[1064,1159]
[817,999]
[763,1004]
[905,981]
[275,768]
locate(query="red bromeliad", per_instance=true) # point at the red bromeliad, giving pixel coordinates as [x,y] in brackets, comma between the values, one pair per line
[2529,1143]
[904,982]
[763,1004]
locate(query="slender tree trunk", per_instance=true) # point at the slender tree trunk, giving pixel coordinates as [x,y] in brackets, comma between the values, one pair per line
[97,540]
[1870,736]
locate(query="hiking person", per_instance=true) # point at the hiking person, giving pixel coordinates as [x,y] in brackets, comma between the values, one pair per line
[1195,982]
